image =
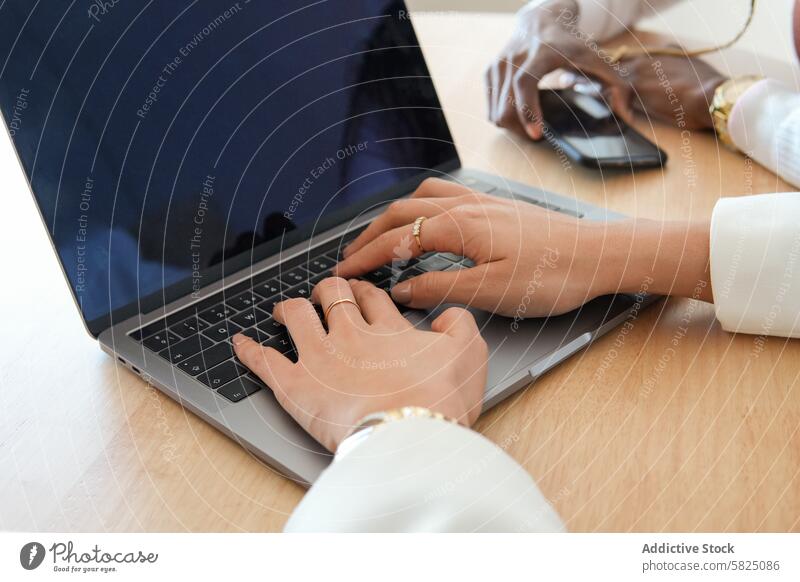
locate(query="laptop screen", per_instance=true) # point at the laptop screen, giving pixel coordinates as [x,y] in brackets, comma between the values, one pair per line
[169,143]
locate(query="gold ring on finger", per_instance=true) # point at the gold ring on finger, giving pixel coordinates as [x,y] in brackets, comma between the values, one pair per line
[416,230]
[338,302]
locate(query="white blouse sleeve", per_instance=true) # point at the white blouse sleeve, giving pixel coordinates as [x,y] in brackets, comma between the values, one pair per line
[424,475]
[607,18]
[765,125]
[604,19]
[755,264]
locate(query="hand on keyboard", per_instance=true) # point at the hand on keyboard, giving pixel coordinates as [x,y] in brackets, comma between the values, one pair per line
[369,359]
[529,261]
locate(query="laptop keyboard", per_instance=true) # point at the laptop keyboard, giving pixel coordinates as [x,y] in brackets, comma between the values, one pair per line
[197,339]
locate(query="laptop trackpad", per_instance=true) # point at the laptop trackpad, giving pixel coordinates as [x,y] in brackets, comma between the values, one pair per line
[534,344]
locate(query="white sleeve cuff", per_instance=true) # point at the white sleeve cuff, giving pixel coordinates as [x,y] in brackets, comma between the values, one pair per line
[755,264]
[425,475]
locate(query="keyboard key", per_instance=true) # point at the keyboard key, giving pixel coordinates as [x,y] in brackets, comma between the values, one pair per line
[321,264]
[295,276]
[243,300]
[161,340]
[302,290]
[184,349]
[250,317]
[408,274]
[217,313]
[269,304]
[245,318]
[256,334]
[435,263]
[378,275]
[222,331]
[239,389]
[190,327]
[207,359]
[272,327]
[192,366]
[222,374]
[451,257]
[282,343]
[269,288]
[398,266]
[156,327]
[258,381]
[385,285]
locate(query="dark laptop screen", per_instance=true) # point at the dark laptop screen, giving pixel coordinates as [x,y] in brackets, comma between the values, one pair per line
[165,140]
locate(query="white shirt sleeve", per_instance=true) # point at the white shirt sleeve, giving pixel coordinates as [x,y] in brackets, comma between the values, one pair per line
[755,264]
[424,475]
[604,19]
[765,125]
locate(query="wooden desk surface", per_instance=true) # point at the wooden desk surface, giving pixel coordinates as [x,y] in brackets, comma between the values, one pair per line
[675,425]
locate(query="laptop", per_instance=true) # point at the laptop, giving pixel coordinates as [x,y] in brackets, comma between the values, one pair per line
[196,162]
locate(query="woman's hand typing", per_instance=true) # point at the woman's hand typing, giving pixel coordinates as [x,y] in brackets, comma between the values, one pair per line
[369,359]
[529,262]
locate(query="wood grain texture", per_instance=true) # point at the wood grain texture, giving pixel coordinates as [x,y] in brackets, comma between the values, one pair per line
[672,425]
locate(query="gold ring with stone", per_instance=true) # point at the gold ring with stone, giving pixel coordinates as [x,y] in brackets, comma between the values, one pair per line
[416,230]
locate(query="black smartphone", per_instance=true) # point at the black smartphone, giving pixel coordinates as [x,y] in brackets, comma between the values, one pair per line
[580,124]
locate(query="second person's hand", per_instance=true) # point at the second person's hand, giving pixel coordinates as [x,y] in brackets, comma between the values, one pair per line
[546,39]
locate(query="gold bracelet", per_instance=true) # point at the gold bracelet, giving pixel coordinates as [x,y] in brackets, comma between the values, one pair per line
[371,422]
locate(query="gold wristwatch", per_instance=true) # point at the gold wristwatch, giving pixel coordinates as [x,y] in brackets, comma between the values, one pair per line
[369,423]
[725,97]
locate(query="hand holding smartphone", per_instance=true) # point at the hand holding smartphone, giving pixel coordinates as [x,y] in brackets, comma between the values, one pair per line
[578,121]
